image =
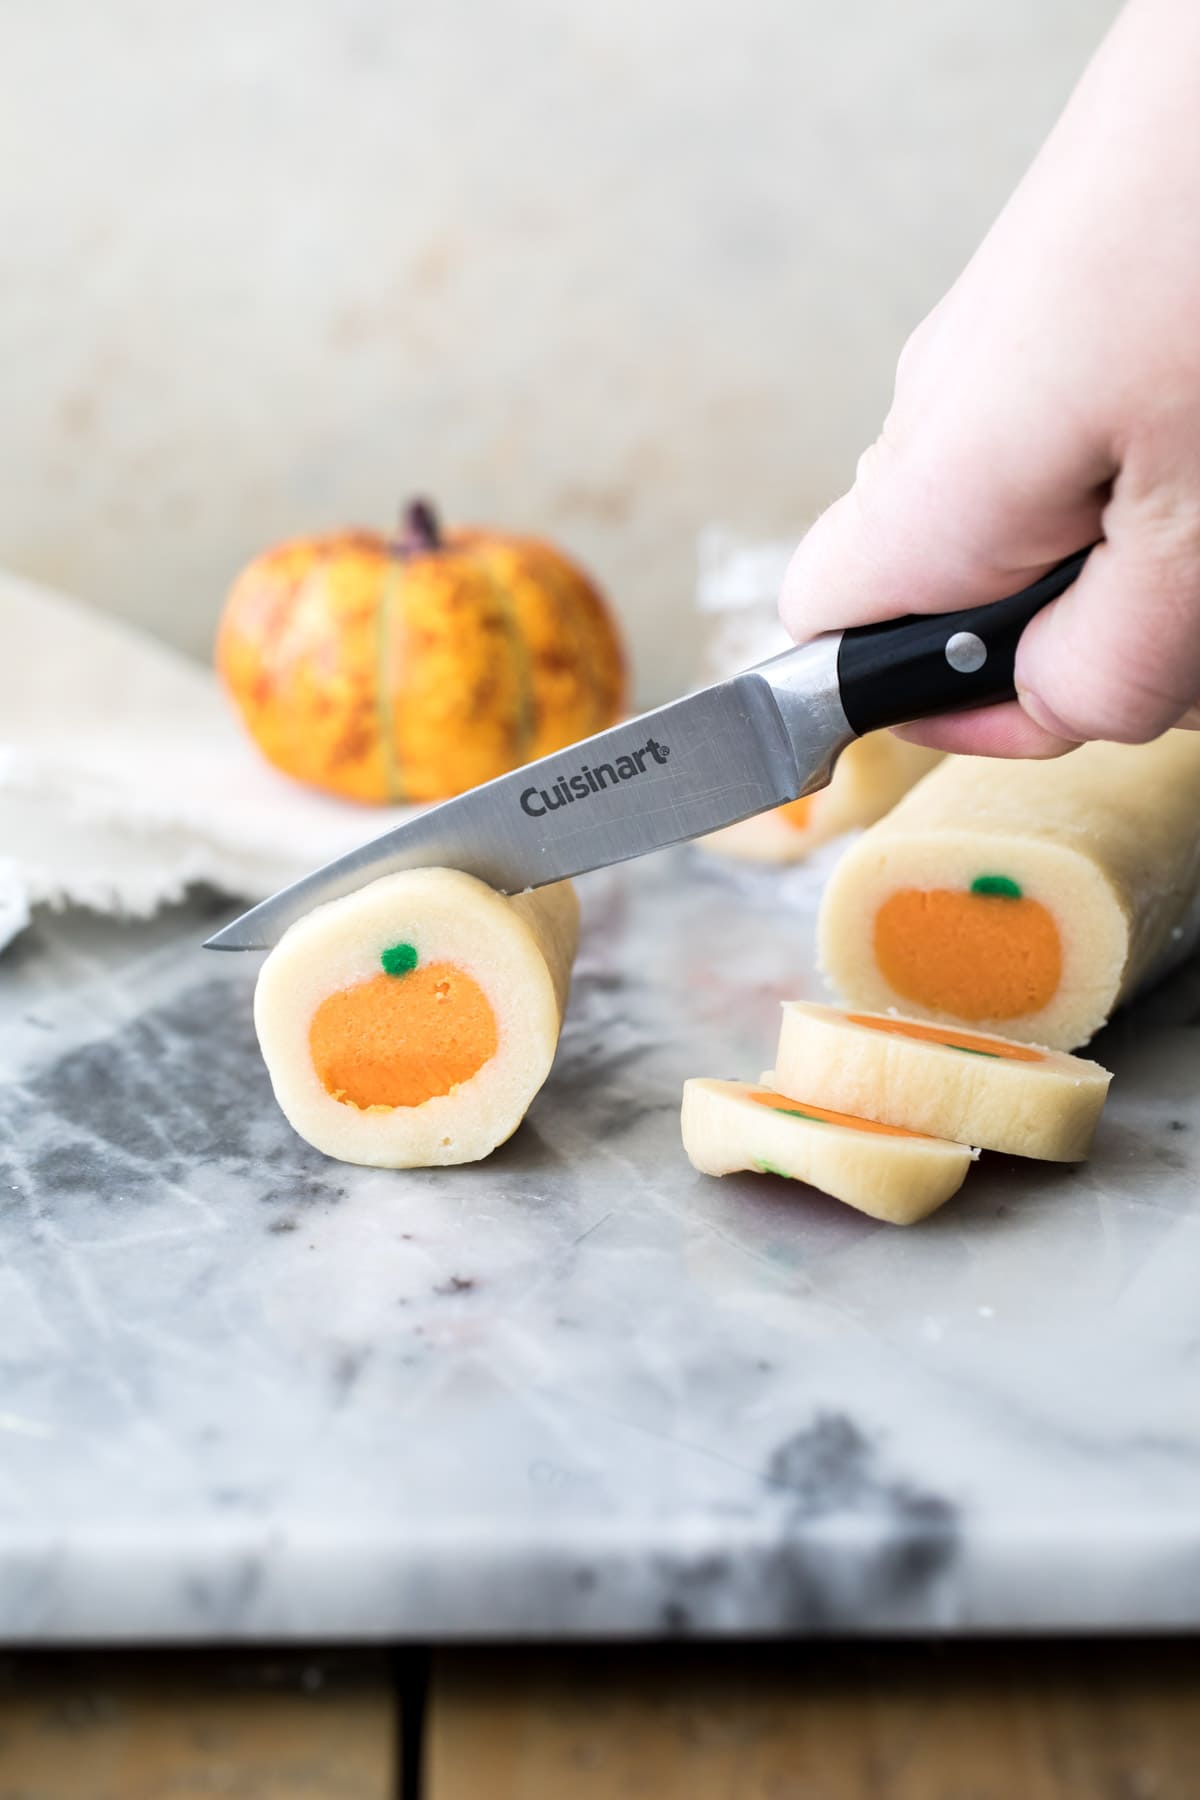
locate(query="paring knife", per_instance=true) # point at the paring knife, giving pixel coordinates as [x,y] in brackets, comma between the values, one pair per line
[766,736]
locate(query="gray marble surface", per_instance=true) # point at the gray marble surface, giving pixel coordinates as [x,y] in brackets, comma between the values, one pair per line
[578,1389]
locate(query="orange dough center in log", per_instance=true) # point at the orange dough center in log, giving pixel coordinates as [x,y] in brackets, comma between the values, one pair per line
[981,956]
[399,1040]
[797,813]
[824,1115]
[954,1040]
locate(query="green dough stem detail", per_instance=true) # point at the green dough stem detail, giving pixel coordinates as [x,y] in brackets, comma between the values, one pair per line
[963,1051]
[399,959]
[766,1168]
[793,1113]
[1002,886]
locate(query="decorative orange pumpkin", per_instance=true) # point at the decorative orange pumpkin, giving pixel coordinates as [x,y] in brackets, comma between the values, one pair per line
[413,668]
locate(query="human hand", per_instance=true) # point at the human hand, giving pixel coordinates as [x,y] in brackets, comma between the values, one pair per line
[1052,398]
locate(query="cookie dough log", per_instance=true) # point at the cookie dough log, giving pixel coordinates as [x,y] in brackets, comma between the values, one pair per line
[868,779]
[886,1171]
[952,1084]
[411,1023]
[1026,898]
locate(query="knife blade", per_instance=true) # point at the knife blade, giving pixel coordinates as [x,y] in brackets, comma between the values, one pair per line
[764,737]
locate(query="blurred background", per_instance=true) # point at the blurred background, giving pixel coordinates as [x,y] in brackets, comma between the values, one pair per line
[609,272]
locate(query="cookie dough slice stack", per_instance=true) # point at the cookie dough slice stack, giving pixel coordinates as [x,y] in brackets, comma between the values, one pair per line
[888,1113]
[984,929]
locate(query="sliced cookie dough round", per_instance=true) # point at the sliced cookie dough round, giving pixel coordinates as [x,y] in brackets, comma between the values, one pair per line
[1025,898]
[411,1023]
[886,1171]
[979,1089]
[869,777]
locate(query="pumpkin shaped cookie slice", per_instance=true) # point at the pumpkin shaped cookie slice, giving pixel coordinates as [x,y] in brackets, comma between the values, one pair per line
[885,1171]
[985,1090]
[870,776]
[1024,898]
[411,1023]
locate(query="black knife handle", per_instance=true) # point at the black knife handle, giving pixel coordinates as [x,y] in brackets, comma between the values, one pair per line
[930,663]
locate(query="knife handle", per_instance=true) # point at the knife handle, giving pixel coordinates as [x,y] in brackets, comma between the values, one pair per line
[929,663]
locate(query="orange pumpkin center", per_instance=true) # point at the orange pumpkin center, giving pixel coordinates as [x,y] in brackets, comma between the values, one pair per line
[954,1040]
[798,813]
[988,953]
[825,1115]
[403,1038]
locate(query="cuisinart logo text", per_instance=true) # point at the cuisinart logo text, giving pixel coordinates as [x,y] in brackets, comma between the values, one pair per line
[537,802]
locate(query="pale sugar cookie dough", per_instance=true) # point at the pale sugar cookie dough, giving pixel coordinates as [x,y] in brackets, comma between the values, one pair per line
[868,779]
[1025,898]
[979,1089]
[885,1171]
[411,1023]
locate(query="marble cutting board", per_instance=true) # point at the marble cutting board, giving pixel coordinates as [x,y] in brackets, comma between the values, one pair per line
[579,1389]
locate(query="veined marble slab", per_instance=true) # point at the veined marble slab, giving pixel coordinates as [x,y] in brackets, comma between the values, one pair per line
[578,1389]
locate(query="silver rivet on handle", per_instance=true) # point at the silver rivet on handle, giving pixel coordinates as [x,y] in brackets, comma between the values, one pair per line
[965,652]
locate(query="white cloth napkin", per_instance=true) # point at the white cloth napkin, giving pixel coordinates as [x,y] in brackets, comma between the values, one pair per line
[125,778]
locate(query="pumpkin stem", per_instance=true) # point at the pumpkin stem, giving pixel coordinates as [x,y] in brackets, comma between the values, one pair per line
[419,529]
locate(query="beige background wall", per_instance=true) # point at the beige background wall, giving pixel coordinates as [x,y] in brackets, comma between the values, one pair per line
[609,270]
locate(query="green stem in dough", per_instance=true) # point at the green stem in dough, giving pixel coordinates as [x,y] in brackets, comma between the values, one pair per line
[1002,887]
[399,959]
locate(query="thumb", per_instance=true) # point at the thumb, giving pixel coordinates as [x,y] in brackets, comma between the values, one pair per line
[923,531]
[1118,655]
